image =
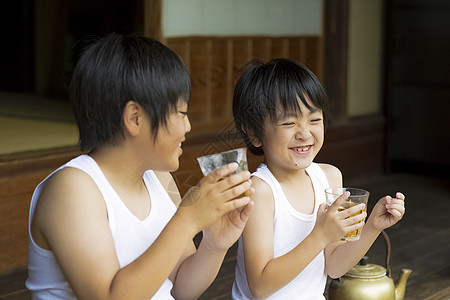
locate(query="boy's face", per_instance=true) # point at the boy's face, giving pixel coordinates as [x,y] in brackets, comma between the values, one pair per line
[167,145]
[293,141]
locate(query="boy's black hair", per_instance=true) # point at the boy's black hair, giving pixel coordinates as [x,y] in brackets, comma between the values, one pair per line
[116,69]
[265,87]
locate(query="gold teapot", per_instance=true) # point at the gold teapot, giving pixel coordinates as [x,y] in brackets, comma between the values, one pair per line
[369,281]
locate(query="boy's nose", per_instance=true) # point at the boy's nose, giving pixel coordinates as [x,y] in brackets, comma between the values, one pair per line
[187,124]
[302,133]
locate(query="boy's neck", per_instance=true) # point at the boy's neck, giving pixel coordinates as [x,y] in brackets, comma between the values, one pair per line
[118,165]
[284,175]
[297,187]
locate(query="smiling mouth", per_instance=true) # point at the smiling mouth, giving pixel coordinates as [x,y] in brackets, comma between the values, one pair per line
[179,145]
[303,149]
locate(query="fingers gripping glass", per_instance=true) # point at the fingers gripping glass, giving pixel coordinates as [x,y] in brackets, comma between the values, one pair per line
[357,196]
[209,163]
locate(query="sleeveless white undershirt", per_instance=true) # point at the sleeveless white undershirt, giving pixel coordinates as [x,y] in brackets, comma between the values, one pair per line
[290,227]
[131,235]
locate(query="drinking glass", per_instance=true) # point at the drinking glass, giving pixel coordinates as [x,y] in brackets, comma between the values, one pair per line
[357,196]
[209,163]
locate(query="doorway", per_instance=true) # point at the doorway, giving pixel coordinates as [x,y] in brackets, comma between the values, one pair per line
[417,85]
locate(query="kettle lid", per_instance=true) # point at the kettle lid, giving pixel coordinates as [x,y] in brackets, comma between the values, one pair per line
[365,270]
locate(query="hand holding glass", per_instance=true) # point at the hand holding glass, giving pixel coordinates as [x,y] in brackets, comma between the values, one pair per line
[357,196]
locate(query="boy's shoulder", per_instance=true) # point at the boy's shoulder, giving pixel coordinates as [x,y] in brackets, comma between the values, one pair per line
[68,177]
[333,174]
[260,184]
[328,168]
[262,187]
[263,197]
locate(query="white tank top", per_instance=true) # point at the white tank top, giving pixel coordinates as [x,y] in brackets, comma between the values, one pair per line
[290,227]
[131,235]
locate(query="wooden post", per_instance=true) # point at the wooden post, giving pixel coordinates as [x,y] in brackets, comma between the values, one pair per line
[153,19]
[335,57]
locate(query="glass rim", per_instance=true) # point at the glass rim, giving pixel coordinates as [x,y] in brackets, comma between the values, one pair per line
[224,152]
[335,191]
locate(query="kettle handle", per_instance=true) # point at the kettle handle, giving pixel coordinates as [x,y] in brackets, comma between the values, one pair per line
[388,252]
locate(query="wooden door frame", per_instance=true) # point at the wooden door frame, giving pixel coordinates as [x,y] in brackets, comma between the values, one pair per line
[153,19]
[335,36]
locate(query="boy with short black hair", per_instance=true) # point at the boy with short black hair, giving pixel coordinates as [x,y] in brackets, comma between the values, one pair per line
[106,225]
[292,239]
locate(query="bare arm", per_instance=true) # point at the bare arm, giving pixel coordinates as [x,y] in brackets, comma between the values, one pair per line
[204,262]
[334,177]
[266,274]
[217,238]
[341,256]
[75,225]
[72,222]
[338,262]
[386,213]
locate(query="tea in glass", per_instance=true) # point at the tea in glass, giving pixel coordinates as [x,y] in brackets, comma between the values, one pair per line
[357,196]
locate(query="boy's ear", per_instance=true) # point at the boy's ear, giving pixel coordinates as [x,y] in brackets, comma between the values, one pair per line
[253,139]
[132,117]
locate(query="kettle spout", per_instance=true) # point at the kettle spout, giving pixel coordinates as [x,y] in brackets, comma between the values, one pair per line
[401,284]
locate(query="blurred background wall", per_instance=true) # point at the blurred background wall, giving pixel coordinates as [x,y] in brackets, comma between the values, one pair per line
[241,17]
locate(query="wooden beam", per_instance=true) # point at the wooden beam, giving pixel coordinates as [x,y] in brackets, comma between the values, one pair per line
[153,19]
[335,57]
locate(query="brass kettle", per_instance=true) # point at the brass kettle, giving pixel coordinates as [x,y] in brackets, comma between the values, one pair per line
[369,281]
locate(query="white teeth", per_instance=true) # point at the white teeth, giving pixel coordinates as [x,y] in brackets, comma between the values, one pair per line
[303,149]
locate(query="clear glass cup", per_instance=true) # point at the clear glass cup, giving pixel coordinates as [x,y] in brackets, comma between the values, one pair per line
[357,196]
[209,163]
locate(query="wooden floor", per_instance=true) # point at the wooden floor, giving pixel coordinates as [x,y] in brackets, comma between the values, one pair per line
[421,241]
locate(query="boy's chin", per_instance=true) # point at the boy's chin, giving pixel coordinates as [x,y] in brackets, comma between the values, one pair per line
[172,167]
[302,164]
